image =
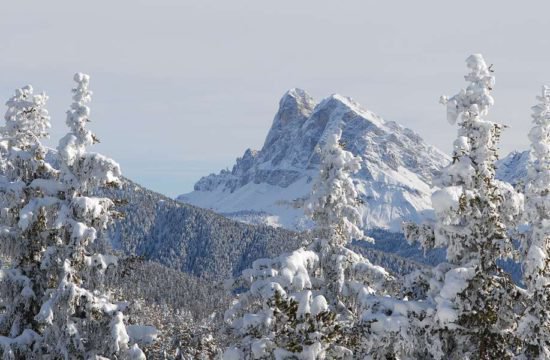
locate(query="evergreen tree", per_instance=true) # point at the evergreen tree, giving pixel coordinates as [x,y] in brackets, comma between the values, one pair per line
[333,203]
[53,298]
[470,221]
[22,240]
[333,206]
[535,324]
[475,310]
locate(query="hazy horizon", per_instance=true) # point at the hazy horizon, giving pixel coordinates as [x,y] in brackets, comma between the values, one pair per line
[182,88]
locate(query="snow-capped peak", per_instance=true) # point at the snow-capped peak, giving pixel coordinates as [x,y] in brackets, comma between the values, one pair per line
[269,185]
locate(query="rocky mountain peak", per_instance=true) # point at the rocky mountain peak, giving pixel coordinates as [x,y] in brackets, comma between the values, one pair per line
[296,104]
[395,180]
[295,107]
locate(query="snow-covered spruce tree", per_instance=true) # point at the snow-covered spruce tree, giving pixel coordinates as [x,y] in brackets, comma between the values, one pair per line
[303,305]
[333,207]
[22,162]
[52,291]
[376,325]
[535,323]
[475,302]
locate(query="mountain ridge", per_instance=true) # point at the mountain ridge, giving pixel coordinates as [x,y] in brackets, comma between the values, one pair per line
[268,184]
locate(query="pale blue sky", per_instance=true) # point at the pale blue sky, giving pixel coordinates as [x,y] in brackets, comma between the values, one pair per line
[181,88]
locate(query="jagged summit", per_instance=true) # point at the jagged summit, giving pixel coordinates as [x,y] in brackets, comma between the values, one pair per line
[268,185]
[296,105]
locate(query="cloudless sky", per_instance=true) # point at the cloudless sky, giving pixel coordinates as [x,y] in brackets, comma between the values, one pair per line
[182,88]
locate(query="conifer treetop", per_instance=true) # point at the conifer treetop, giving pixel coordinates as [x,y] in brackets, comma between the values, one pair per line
[81,167]
[27,120]
[475,100]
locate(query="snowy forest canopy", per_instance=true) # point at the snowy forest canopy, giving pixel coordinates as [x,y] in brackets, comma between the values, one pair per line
[67,291]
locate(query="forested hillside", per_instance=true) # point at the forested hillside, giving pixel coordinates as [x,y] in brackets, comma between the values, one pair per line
[187,238]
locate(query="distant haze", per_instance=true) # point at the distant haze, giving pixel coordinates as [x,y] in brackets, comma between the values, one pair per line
[181,88]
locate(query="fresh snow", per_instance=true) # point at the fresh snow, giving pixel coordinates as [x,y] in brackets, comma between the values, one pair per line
[142,334]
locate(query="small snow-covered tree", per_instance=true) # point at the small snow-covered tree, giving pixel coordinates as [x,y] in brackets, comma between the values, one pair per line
[53,299]
[535,324]
[474,300]
[27,120]
[284,312]
[304,304]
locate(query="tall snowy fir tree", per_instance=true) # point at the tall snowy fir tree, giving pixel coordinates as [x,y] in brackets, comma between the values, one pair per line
[23,162]
[304,304]
[52,308]
[333,206]
[476,311]
[535,324]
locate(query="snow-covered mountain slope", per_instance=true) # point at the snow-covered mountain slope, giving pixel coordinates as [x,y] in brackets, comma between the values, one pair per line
[267,186]
[513,167]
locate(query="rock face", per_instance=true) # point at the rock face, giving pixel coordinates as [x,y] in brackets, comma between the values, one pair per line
[267,186]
